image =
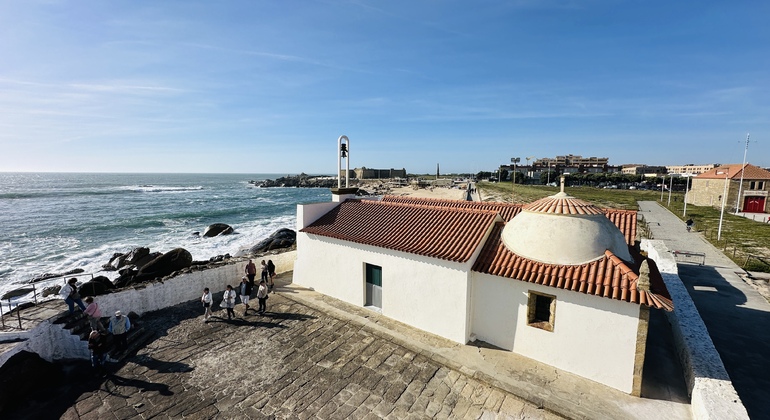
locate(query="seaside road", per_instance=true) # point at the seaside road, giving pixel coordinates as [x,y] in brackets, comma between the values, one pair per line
[294,362]
[736,315]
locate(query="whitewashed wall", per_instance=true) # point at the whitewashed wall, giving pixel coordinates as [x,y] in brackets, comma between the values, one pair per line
[593,337]
[309,213]
[426,293]
[52,342]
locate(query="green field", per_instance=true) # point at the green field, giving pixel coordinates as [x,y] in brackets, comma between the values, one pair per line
[745,241]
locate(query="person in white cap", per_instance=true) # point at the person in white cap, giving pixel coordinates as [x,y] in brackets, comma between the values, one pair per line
[119,326]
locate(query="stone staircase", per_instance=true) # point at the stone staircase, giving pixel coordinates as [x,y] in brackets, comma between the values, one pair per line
[77,324]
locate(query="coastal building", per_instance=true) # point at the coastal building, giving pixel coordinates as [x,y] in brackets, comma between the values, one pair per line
[709,188]
[689,169]
[572,164]
[637,169]
[557,280]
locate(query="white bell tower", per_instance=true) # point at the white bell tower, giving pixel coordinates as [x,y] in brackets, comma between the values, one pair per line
[340,194]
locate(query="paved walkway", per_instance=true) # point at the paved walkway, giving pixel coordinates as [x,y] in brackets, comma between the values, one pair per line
[314,356]
[294,362]
[736,315]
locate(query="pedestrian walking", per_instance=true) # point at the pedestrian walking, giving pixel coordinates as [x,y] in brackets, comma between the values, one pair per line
[245,292]
[206,301]
[264,271]
[228,301]
[119,326]
[71,296]
[94,315]
[251,271]
[271,273]
[97,343]
[262,297]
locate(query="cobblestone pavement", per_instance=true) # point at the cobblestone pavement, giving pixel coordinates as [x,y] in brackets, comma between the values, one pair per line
[293,362]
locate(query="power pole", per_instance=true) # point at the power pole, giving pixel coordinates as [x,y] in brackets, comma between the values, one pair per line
[743,168]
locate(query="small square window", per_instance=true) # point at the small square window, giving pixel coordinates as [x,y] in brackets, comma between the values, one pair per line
[541,311]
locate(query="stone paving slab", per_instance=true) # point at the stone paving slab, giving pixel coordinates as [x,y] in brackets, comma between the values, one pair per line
[294,362]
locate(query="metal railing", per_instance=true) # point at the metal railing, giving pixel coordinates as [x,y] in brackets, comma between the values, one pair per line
[35,286]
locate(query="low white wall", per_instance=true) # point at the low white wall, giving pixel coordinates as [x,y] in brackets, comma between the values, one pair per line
[593,337]
[426,293]
[712,391]
[53,342]
[309,213]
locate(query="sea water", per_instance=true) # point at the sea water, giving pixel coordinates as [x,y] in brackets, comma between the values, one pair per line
[56,222]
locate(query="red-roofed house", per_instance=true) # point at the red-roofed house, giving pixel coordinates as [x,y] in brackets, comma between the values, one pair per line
[708,188]
[554,280]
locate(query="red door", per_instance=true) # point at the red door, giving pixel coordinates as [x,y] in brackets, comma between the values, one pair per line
[754,205]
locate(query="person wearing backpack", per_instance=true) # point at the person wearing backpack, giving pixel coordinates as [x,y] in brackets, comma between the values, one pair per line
[71,296]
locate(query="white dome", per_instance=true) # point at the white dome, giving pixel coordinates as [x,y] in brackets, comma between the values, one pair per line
[563,230]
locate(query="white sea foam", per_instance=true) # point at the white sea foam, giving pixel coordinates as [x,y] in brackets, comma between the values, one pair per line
[160,188]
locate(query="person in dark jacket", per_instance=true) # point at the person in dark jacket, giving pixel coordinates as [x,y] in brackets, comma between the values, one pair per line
[271,273]
[245,292]
[97,343]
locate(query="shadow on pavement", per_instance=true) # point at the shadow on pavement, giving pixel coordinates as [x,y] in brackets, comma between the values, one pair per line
[739,332]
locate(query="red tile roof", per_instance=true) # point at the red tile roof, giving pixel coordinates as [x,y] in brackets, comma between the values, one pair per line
[452,230]
[626,221]
[507,210]
[734,172]
[608,276]
[565,204]
[446,233]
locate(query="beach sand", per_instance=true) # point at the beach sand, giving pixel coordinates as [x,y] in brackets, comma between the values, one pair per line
[442,193]
[438,192]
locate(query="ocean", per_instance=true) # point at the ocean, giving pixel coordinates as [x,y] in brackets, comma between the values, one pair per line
[56,222]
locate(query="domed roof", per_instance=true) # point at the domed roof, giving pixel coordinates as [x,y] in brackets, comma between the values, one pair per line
[563,230]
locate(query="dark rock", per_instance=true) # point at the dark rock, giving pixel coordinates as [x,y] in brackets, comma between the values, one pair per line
[282,238]
[117,261]
[92,288]
[47,276]
[217,229]
[137,254]
[126,278]
[22,375]
[174,260]
[146,259]
[105,281]
[51,290]
[97,286]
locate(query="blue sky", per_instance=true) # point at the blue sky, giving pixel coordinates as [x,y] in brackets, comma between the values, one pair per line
[269,86]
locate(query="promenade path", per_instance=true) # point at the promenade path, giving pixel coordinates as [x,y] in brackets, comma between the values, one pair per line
[736,315]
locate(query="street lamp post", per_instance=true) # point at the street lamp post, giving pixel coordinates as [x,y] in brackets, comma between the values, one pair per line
[530,172]
[662,184]
[670,187]
[548,182]
[722,213]
[686,191]
[513,180]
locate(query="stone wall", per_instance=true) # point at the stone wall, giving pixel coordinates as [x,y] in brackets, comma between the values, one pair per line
[712,393]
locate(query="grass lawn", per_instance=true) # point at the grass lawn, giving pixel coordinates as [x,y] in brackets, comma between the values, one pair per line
[745,241]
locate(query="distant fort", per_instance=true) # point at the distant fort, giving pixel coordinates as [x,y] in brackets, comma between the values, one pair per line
[369,173]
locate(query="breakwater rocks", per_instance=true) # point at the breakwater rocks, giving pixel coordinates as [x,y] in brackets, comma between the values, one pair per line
[302,180]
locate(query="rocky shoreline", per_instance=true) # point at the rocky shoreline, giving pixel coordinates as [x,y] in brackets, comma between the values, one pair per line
[302,180]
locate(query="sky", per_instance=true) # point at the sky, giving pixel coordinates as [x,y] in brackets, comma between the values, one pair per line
[269,86]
